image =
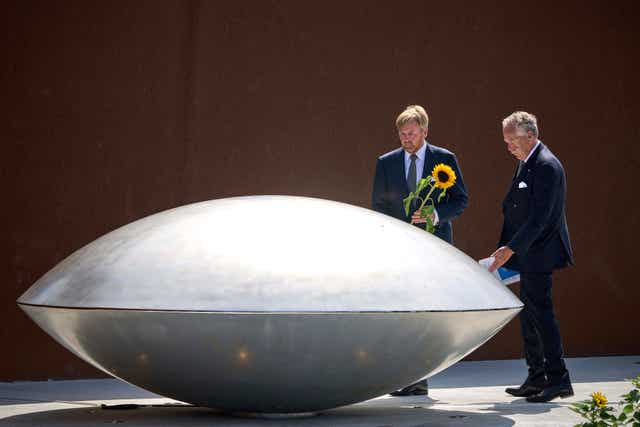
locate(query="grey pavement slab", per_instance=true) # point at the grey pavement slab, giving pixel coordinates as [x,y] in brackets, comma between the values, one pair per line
[466,394]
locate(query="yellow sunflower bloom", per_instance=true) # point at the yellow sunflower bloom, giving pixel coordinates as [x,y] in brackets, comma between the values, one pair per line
[599,399]
[444,176]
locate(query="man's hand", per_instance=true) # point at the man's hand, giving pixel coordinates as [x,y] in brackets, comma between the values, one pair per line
[417,218]
[502,255]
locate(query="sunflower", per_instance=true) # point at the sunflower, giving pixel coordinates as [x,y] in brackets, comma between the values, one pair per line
[444,176]
[599,399]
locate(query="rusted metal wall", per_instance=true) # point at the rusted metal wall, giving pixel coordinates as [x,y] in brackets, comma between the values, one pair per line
[116,110]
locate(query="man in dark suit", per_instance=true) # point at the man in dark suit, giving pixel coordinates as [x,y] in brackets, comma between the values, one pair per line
[398,173]
[535,241]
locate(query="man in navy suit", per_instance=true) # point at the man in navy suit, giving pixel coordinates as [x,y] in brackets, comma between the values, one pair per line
[395,176]
[399,171]
[535,241]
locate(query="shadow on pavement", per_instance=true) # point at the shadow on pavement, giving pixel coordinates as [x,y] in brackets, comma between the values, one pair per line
[513,372]
[356,415]
[29,392]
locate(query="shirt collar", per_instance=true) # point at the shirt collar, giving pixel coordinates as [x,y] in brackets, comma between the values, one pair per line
[420,153]
[532,151]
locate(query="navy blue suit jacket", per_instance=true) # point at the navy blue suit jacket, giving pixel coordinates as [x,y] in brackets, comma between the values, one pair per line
[535,224]
[390,188]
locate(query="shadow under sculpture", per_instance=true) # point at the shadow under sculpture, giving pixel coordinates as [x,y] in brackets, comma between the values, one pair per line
[272,304]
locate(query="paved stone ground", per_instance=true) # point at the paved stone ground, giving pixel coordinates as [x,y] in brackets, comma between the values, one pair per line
[466,394]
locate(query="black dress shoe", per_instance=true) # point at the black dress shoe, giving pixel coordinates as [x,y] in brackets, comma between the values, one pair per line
[417,389]
[551,392]
[524,390]
[534,384]
[398,393]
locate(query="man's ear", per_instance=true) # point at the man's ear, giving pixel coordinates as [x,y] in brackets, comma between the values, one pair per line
[426,132]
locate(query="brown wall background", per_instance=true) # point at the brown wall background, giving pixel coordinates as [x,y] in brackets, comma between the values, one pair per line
[116,110]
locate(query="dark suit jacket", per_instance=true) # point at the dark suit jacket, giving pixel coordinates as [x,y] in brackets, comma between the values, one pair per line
[390,188]
[535,224]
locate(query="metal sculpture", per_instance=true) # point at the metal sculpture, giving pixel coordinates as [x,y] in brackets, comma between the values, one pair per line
[269,304]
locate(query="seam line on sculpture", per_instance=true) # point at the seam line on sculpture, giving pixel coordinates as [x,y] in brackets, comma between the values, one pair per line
[264,312]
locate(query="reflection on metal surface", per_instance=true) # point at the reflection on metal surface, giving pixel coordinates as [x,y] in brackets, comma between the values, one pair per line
[269,304]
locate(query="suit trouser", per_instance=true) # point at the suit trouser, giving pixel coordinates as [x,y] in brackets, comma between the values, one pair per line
[540,332]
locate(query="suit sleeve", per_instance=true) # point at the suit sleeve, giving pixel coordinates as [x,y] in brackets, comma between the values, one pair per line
[546,185]
[457,200]
[379,199]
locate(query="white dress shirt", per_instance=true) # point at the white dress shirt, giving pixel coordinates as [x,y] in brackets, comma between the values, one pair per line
[530,152]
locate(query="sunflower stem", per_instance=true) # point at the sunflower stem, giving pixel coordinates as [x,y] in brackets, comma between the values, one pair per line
[428,197]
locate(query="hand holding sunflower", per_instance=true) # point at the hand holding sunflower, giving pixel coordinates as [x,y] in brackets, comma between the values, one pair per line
[442,177]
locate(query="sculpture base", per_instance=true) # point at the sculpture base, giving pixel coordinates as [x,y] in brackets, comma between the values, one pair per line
[269,363]
[274,415]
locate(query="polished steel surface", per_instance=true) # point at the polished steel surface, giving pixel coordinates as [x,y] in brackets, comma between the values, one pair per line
[269,362]
[270,304]
[270,253]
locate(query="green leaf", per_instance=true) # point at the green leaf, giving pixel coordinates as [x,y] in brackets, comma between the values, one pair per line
[635,381]
[441,196]
[407,202]
[427,210]
[627,409]
[422,184]
[430,228]
[583,405]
